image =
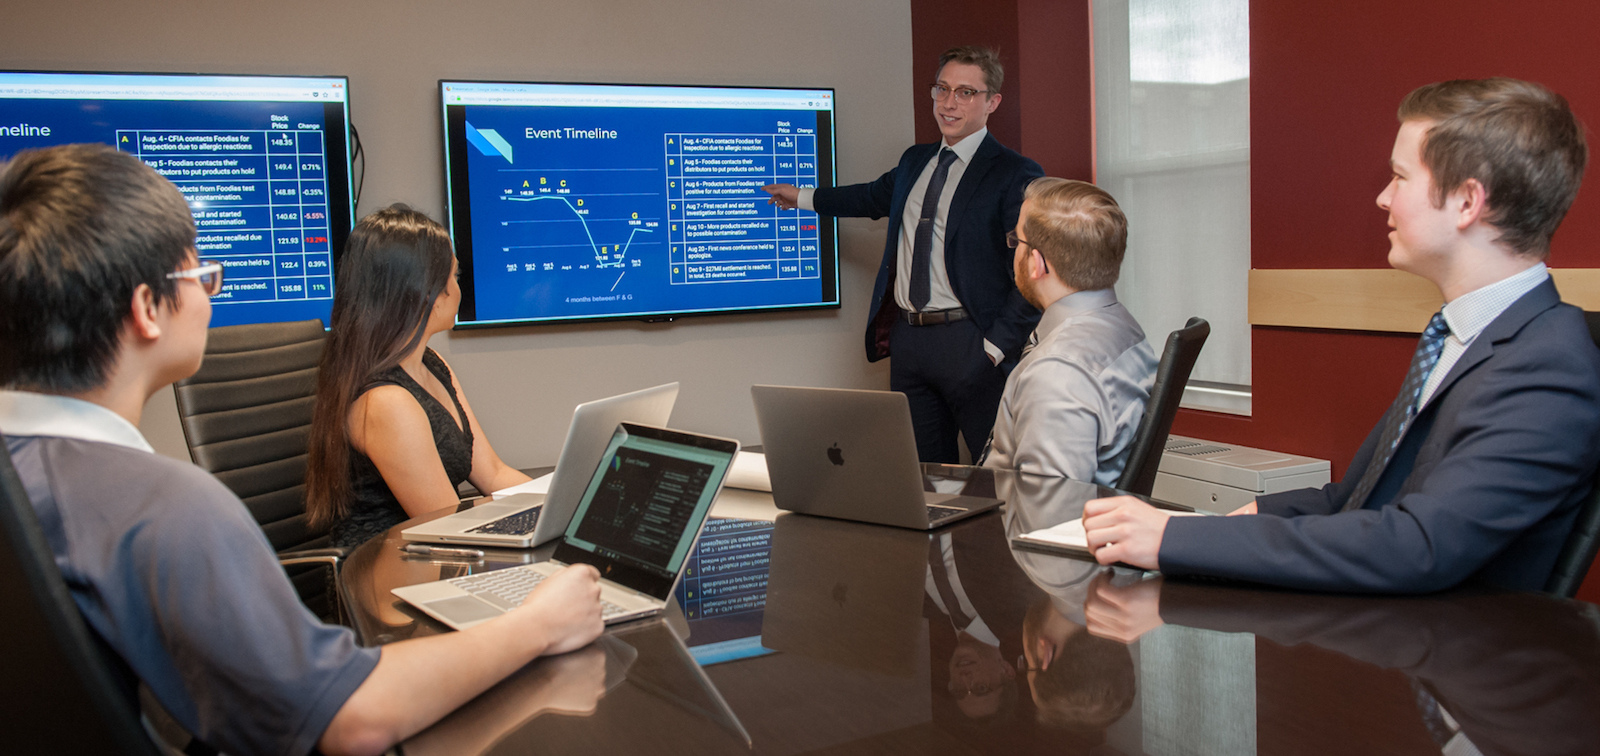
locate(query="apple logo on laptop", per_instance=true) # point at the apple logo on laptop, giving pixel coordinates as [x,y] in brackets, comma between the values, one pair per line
[835,455]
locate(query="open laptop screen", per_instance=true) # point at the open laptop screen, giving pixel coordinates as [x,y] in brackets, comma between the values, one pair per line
[645,504]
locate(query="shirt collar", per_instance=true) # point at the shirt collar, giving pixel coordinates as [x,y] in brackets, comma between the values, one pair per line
[968,146]
[24,413]
[1071,305]
[1471,312]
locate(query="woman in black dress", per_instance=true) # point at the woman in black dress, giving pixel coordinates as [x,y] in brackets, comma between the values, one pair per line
[393,433]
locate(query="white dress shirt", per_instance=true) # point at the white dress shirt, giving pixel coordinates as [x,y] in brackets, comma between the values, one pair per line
[1470,313]
[941,296]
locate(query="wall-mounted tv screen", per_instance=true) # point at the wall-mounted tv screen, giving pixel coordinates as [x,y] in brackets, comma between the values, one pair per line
[262,160]
[573,202]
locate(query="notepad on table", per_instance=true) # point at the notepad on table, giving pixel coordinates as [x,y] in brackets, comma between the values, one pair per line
[1069,537]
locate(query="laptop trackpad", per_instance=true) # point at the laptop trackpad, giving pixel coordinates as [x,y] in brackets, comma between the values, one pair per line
[464,609]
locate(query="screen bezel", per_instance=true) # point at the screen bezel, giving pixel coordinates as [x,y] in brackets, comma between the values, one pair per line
[459,216]
[625,574]
[341,218]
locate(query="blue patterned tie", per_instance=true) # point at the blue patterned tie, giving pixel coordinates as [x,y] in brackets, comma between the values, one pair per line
[1404,409]
[922,243]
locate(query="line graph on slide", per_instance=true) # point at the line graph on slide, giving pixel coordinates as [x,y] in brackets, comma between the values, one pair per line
[567,222]
[605,256]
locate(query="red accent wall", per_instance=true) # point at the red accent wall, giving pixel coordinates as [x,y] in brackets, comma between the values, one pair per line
[1046,106]
[1326,79]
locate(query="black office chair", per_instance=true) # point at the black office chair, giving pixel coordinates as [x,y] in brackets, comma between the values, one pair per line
[61,688]
[1577,554]
[246,416]
[1150,441]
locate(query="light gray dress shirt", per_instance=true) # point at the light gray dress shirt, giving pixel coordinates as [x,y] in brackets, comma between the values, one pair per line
[1073,403]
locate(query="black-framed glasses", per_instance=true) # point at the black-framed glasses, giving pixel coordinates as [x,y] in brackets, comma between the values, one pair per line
[1012,240]
[208,274]
[963,95]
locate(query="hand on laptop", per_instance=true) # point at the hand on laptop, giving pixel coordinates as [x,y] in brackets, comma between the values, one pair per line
[1124,529]
[567,605]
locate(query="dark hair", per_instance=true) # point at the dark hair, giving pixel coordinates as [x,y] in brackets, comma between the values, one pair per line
[82,226]
[984,58]
[1088,686]
[396,263]
[1517,138]
[1079,229]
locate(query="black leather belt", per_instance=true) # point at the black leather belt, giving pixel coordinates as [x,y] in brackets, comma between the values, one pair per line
[934,317]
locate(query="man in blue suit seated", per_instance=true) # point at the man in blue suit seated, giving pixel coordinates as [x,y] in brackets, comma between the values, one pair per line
[1478,468]
[943,303]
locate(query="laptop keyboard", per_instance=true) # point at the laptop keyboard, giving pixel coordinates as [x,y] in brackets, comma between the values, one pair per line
[507,588]
[937,512]
[518,524]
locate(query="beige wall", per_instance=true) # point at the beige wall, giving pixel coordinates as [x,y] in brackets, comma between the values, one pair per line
[523,382]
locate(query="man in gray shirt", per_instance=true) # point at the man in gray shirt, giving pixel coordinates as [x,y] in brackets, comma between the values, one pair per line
[1072,405]
[102,303]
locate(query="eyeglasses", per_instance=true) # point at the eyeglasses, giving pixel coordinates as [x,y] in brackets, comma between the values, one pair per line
[1012,240]
[208,274]
[963,95]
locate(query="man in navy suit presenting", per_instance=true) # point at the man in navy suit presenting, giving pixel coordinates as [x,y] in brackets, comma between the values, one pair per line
[1478,468]
[943,303]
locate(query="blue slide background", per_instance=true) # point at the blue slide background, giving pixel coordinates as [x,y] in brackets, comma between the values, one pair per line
[75,121]
[614,178]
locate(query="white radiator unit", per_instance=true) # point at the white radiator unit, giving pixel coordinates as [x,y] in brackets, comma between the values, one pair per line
[1221,478]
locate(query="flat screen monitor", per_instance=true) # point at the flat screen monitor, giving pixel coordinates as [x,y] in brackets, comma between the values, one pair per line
[574,202]
[262,160]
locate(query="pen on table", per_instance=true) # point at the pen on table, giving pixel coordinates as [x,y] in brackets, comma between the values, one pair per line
[441,551]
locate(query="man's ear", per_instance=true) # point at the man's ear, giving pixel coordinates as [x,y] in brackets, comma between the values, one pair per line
[1470,202]
[1037,267]
[144,313]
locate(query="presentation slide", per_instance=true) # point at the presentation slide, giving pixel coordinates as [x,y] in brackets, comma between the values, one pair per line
[262,162]
[577,202]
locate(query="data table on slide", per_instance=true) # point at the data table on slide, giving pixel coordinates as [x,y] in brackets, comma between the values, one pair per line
[720,224]
[260,205]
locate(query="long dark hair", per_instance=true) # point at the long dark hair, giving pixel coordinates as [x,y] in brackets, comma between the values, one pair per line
[396,263]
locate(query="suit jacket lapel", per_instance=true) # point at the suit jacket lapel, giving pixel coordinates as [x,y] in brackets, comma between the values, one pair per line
[982,161]
[1537,300]
[902,188]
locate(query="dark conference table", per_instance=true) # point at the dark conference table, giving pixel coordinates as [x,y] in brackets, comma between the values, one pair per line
[821,636]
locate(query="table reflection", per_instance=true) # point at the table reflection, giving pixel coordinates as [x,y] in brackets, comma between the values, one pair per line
[807,635]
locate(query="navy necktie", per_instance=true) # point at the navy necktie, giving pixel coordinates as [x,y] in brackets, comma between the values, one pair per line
[1404,409]
[922,245]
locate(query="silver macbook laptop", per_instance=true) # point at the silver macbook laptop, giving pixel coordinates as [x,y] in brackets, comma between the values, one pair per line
[851,454]
[636,523]
[527,520]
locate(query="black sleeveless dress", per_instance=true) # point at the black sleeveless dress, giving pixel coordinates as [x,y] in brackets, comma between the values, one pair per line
[373,507]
